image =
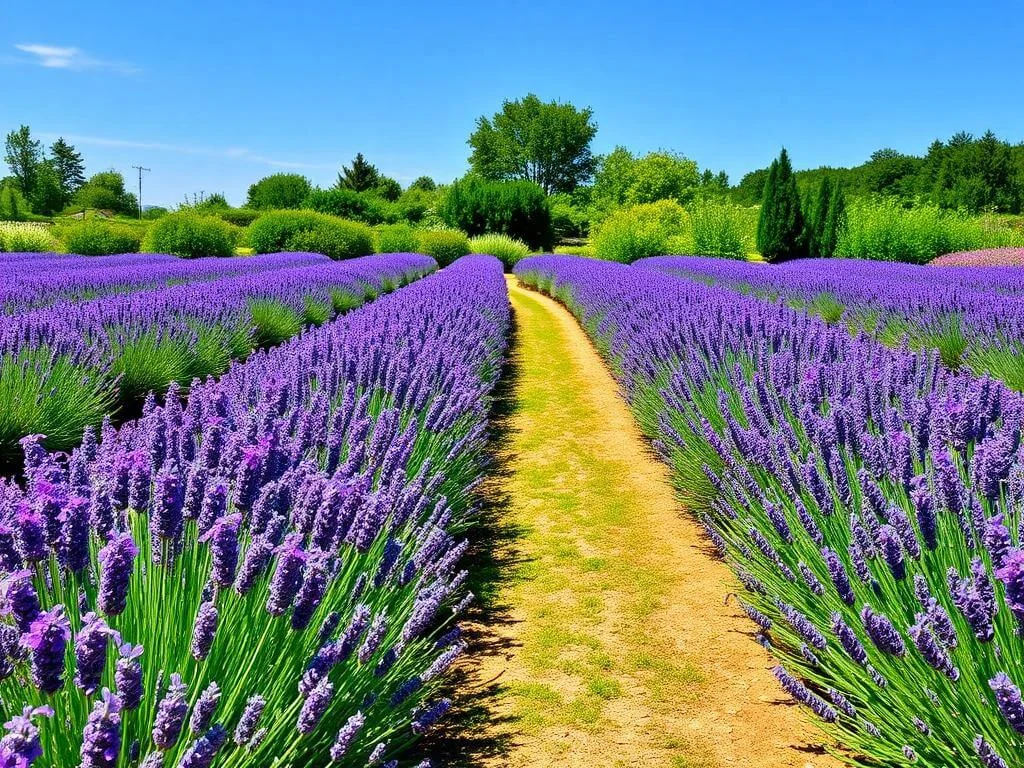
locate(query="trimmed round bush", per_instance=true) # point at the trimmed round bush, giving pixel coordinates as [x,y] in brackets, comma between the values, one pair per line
[651,229]
[396,238]
[507,249]
[240,217]
[312,232]
[17,237]
[519,209]
[444,245]
[96,237]
[191,235]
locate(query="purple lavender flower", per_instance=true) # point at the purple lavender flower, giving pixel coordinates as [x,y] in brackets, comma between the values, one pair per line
[988,756]
[30,534]
[203,750]
[223,539]
[91,653]
[882,633]
[931,652]
[101,739]
[47,640]
[1008,699]
[1011,574]
[257,559]
[128,675]
[315,706]
[374,637]
[287,578]
[311,593]
[428,717]
[892,549]
[20,746]
[442,662]
[249,720]
[840,579]
[346,736]
[799,691]
[170,714]
[20,597]
[203,711]
[204,630]
[116,561]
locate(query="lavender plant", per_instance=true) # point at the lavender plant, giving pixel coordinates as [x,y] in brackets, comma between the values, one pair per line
[267,571]
[869,500]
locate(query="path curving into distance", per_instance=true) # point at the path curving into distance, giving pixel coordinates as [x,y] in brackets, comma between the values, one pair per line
[618,647]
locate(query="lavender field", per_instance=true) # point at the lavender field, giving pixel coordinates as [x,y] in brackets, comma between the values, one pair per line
[242,503]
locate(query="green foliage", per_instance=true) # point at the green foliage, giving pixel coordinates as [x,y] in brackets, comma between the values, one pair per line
[650,229]
[280,190]
[55,398]
[106,192]
[24,237]
[360,176]
[240,217]
[719,229]
[544,142]
[273,322]
[624,179]
[826,220]
[424,183]
[23,154]
[444,245]
[310,231]
[518,209]
[568,219]
[396,238]
[47,196]
[337,201]
[781,224]
[190,235]
[388,188]
[507,249]
[885,230]
[153,212]
[13,206]
[96,237]
[70,167]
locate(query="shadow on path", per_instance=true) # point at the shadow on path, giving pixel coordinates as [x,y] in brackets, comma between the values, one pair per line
[466,736]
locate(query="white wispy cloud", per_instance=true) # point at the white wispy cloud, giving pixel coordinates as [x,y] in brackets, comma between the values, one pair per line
[230,153]
[67,57]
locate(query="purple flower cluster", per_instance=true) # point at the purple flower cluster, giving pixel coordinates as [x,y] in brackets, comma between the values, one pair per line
[242,532]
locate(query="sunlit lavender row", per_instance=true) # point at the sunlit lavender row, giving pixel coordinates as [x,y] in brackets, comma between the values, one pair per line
[868,499]
[974,316]
[66,365]
[265,572]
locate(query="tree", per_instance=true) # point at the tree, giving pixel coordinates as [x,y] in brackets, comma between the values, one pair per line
[780,225]
[547,143]
[388,188]
[280,190]
[361,176]
[23,154]
[425,183]
[106,191]
[624,179]
[47,195]
[12,202]
[67,161]
[835,222]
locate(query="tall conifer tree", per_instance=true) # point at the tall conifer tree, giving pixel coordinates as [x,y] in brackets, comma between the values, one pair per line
[780,228]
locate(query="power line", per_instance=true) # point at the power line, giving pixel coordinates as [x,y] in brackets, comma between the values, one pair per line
[140,169]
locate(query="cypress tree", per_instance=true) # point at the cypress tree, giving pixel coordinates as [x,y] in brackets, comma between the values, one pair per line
[835,222]
[817,218]
[780,227]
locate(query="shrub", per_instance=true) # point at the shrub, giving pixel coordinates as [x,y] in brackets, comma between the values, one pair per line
[280,190]
[26,238]
[444,245]
[240,217]
[96,237]
[885,230]
[518,209]
[13,206]
[345,203]
[310,231]
[396,238]
[586,251]
[718,229]
[650,229]
[989,257]
[191,235]
[507,249]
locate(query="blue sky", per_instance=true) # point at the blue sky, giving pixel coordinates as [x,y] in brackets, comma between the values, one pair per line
[214,95]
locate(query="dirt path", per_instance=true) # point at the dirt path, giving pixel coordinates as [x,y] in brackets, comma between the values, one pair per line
[619,648]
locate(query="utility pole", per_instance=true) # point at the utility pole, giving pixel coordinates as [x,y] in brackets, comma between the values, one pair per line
[140,169]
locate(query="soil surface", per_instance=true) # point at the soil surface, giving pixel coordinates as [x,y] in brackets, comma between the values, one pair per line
[618,643]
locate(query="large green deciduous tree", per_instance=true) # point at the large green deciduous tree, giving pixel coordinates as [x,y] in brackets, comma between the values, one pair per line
[544,142]
[780,228]
[23,154]
[106,191]
[280,190]
[624,179]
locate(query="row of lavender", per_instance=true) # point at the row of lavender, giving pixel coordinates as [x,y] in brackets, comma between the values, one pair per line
[972,315]
[67,365]
[266,572]
[870,501]
[44,279]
